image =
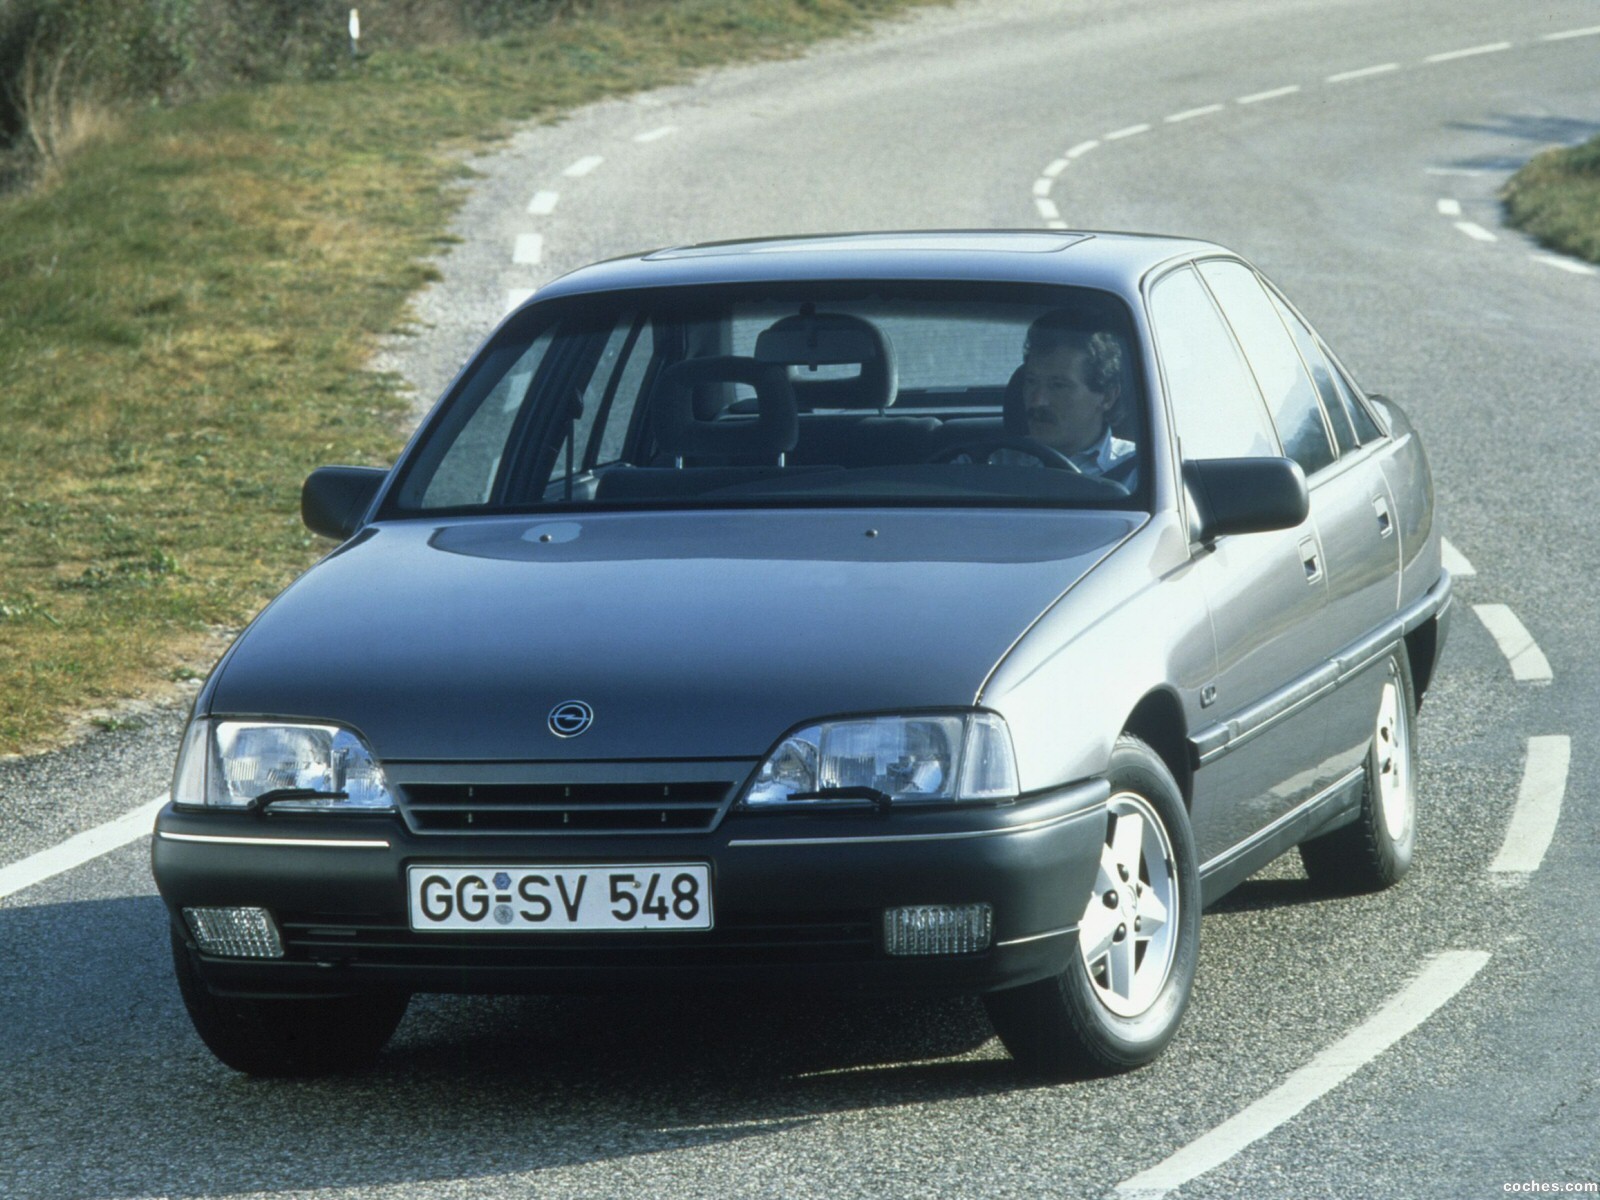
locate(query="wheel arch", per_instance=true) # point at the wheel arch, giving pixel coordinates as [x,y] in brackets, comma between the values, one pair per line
[1422,654]
[1157,720]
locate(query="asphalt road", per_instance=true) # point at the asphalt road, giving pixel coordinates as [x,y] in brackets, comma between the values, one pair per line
[1353,149]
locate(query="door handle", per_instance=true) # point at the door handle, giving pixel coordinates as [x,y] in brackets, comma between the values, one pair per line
[1380,506]
[1310,559]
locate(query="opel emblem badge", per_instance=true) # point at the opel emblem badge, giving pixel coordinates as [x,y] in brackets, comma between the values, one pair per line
[570,718]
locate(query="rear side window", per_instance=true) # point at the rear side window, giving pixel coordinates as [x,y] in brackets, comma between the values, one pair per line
[1215,404]
[1352,425]
[1291,397]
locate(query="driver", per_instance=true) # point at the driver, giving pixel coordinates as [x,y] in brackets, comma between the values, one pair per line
[1071,388]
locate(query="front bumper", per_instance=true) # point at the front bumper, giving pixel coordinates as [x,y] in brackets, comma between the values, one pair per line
[799,900]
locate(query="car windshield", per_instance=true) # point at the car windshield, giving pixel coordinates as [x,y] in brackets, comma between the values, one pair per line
[842,394]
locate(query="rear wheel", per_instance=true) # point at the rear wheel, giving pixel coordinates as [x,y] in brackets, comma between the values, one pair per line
[1374,852]
[320,1036]
[1123,994]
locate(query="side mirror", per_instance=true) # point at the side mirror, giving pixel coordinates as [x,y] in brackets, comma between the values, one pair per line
[333,500]
[1247,495]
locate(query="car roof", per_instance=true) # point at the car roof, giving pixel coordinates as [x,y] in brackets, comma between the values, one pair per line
[1112,261]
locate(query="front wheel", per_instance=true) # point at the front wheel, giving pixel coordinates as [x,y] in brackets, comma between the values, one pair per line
[1123,993]
[319,1036]
[1375,851]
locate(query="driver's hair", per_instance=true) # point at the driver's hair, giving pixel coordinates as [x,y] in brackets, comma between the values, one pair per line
[1060,328]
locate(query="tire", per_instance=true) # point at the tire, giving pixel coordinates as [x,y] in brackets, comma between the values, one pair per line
[1374,852]
[1124,991]
[277,1038]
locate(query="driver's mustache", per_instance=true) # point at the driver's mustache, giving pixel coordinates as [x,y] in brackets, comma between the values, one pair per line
[1042,415]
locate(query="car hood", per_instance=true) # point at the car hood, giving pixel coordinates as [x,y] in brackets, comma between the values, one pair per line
[691,635]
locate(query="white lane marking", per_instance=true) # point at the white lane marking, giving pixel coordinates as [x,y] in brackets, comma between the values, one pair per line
[529,248]
[80,848]
[543,203]
[1083,148]
[516,296]
[1439,981]
[1469,52]
[1041,187]
[1475,231]
[1130,131]
[1363,72]
[1055,168]
[1056,225]
[655,135]
[1564,264]
[1047,208]
[1533,821]
[1450,208]
[1258,97]
[1190,114]
[583,166]
[1454,561]
[1528,663]
[1571,33]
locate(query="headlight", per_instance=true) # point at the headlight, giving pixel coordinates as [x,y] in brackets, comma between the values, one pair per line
[244,764]
[920,759]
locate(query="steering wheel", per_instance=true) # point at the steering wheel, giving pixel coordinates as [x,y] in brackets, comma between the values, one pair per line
[980,450]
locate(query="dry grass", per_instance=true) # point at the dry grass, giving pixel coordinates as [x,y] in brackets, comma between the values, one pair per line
[1556,198]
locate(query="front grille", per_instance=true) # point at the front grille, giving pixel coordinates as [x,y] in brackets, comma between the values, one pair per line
[555,808]
[770,938]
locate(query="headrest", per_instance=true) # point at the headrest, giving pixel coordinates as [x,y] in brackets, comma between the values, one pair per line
[771,432]
[1015,406]
[807,341]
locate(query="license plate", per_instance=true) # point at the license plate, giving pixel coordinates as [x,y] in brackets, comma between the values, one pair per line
[549,899]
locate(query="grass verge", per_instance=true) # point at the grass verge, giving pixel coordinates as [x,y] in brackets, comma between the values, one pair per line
[1555,198]
[186,311]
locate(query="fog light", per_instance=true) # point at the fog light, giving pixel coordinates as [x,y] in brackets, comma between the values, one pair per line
[938,928]
[235,932]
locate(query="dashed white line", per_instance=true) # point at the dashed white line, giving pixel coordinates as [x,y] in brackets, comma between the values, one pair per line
[1363,72]
[1450,208]
[1528,663]
[583,166]
[529,248]
[77,850]
[1475,231]
[1258,97]
[1564,264]
[1440,980]
[1131,131]
[1056,224]
[1190,114]
[1047,208]
[515,298]
[543,203]
[1469,52]
[1083,148]
[1041,187]
[1533,821]
[1055,168]
[655,135]
[1454,561]
[1590,31]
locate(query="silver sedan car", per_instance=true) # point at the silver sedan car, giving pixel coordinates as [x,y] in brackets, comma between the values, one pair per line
[943,613]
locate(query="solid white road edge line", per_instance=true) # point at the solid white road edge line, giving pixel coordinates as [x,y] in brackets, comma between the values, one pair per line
[1439,981]
[1533,821]
[1454,561]
[1528,663]
[79,849]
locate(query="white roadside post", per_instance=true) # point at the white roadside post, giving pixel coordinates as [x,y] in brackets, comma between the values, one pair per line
[355,33]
